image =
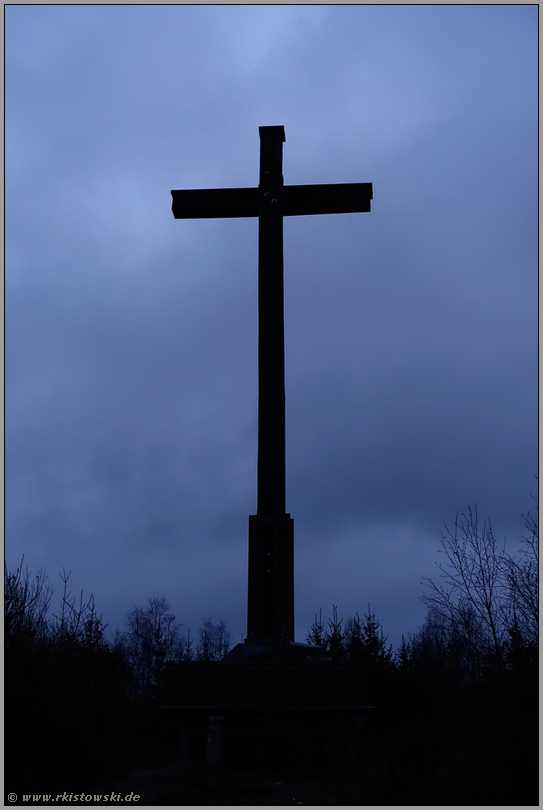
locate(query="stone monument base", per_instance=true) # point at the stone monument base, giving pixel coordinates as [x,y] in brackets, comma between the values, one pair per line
[268,705]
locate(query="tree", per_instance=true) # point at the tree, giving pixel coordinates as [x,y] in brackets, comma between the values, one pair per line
[472,600]
[336,637]
[65,689]
[356,641]
[317,633]
[214,641]
[152,638]
[332,640]
[165,640]
[78,624]
[523,581]
[26,604]
[440,651]
[366,642]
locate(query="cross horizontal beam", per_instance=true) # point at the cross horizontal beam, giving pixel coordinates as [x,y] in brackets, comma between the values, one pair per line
[328,198]
[211,203]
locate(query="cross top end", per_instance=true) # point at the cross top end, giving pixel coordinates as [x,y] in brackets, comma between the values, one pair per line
[273,132]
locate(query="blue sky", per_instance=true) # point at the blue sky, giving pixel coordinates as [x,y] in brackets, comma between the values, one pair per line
[131,338]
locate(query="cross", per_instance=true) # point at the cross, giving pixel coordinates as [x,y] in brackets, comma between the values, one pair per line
[270,608]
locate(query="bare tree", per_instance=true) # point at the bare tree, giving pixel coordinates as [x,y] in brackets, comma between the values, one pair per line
[523,581]
[188,651]
[152,638]
[473,595]
[26,604]
[214,641]
[78,622]
[164,634]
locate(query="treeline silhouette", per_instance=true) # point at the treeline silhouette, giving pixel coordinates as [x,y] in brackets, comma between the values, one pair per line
[456,706]
[80,707]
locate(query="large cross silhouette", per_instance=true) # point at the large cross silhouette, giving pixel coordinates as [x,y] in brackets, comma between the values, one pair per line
[270,610]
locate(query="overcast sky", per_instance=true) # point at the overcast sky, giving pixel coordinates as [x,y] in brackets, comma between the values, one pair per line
[131,337]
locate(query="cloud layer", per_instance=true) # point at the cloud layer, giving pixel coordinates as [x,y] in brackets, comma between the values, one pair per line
[131,338]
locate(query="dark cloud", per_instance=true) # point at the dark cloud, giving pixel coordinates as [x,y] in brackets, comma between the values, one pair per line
[131,352]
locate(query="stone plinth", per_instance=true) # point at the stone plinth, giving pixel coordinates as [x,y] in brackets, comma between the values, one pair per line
[269,704]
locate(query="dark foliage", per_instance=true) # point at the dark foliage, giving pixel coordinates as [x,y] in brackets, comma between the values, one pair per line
[456,709]
[464,697]
[69,719]
[450,725]
[455,717]
[80,711]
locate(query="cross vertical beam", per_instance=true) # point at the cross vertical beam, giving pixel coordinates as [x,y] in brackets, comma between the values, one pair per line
[270,598]
[271,341]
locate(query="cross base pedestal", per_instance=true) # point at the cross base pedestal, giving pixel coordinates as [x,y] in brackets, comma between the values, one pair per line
[270,607]
[269,707]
